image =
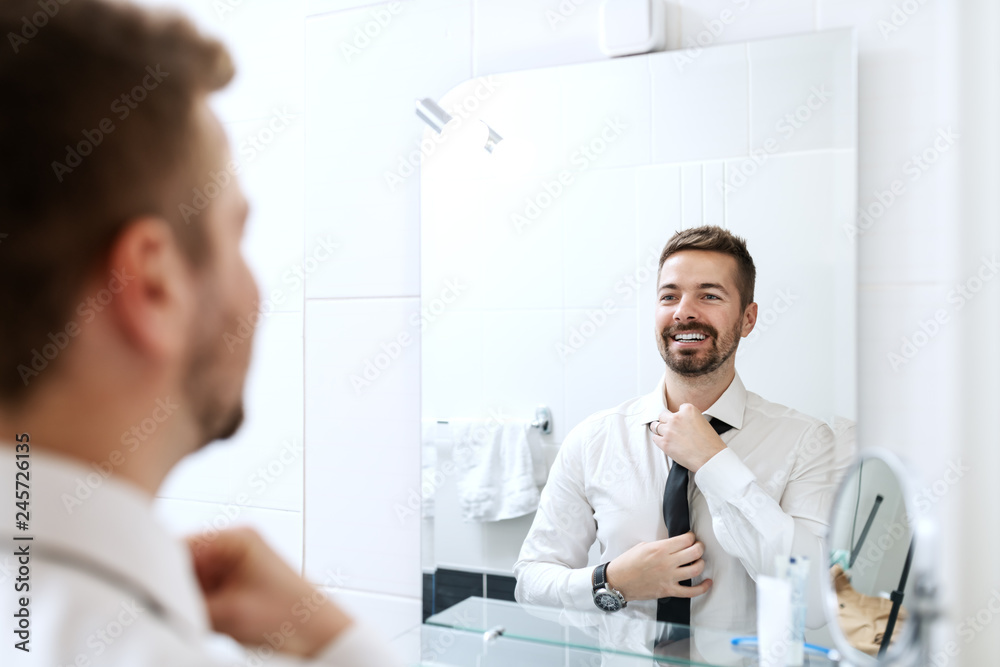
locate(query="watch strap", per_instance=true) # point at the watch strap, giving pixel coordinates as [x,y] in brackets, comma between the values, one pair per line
[600,578]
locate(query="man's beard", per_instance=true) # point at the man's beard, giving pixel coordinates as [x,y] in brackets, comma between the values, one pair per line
[695,362]
[207,386]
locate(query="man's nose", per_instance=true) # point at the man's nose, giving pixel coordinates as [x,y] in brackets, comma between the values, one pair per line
[685,310]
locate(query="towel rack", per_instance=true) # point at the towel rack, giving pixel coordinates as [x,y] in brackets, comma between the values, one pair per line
[542,421]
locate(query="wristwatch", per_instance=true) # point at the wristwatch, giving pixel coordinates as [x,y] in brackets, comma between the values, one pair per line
[605,597]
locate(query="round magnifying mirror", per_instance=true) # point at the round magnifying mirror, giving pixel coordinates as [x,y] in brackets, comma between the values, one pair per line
[870,546]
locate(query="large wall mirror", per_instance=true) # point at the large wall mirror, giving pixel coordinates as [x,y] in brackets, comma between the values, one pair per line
[539,261]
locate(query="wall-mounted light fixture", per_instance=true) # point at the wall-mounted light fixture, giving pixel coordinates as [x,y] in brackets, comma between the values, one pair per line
[492,138]
[436,118]
[432,114]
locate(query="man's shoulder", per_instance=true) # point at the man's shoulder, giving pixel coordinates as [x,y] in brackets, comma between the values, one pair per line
[783,416]
[601,422]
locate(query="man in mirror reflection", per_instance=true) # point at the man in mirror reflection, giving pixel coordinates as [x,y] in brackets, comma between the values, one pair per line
[110,270]
[691,491]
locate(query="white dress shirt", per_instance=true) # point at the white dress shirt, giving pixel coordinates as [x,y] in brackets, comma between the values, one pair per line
[769,493]
[109,585]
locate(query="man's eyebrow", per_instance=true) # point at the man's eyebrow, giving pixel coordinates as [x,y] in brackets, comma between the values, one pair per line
[716,286]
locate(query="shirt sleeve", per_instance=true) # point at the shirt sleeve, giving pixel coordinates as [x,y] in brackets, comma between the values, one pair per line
[357,646]
[551,569]
[754,527]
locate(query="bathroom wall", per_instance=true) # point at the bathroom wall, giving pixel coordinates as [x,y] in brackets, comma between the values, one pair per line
[358,66]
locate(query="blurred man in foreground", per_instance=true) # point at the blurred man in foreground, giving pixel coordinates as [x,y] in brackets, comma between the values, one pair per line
[116,287]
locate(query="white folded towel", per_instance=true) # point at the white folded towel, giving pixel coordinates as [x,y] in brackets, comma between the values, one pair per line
[499,469]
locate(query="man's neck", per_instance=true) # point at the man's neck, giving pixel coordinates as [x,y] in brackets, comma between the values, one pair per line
[701,391]
[72,428]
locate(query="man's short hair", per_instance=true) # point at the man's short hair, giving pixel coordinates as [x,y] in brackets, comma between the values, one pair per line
[99,127]
[717,239]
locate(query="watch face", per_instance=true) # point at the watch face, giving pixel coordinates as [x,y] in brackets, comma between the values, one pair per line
[608,602]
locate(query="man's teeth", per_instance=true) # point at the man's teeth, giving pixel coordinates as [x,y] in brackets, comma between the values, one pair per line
[690,336]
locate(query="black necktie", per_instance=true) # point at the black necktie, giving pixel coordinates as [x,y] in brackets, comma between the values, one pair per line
[677,516]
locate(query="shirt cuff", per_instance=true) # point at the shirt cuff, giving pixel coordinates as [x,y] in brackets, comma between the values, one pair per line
[357,646]
[724,476]
[581,588]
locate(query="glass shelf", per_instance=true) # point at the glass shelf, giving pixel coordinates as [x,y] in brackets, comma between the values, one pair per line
[621,639]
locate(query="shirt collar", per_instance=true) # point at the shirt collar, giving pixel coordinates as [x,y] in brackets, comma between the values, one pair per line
[729,407]
[110,523]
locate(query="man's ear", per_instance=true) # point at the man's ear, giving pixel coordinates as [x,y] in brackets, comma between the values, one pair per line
[153,288]
[749,319]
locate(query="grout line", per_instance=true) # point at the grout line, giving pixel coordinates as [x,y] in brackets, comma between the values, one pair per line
[749,98]
[357,298]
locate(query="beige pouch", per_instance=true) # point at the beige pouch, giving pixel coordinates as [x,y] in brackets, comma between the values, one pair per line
[862,617]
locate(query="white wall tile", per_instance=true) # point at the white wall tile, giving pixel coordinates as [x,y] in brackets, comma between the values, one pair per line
[281,530]
[692,195]
[502,542]
[607,103]
[363,443]
[263,462]
[522,269]
[700,107]
[389,615]
[316,7]
[511,36]
[266,42]
[913,382]
[792,214]
[452,368]
[601,368]
[707,22]
[271,179]
[803,92]
[657,208]
[360,122]
[713,197]
[521,366]
[598,237]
